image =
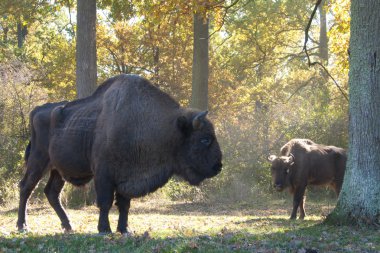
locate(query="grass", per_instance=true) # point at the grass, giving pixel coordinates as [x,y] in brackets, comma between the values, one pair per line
[164,226]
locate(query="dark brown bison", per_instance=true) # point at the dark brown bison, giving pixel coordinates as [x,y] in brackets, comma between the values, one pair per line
[303,162]
[129,136]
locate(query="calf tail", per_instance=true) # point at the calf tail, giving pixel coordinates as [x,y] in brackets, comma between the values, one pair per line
[27,152]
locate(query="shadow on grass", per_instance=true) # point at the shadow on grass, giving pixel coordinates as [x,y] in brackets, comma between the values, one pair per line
[275,235]
[208,208]
[224,241]
[312,239]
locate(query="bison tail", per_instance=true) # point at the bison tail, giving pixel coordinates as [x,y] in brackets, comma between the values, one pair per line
[27,152]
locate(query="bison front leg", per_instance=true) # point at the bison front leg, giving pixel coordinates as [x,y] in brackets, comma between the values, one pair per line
[123,205]
[52,190]
[104,196]
[298,201]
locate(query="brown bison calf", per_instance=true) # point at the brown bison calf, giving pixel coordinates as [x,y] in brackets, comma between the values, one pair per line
[302,162]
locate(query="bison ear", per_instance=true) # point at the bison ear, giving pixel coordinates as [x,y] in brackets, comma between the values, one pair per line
[199,120]
[271,158]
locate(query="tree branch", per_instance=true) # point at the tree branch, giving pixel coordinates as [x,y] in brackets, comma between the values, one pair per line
[301,87]
[310,63]
[226,8]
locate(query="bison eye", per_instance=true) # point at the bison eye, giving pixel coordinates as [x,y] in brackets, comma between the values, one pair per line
[206,141]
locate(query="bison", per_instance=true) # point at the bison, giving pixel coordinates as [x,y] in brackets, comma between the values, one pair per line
[128,135]
[303,162]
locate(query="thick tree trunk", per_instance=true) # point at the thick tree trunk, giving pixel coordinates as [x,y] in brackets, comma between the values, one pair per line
[86,48]
[86,69]
[359,200]
[200,64]
[323,40]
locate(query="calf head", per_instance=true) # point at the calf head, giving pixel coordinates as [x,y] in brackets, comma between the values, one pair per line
[280,169]
[199,154]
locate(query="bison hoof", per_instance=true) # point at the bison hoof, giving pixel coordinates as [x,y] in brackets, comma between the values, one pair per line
[302,217]
[127,233]
[68,231]
[23,228]
[104,233]
[292,217]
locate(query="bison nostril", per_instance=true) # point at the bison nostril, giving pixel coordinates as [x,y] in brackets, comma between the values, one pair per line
[277,185]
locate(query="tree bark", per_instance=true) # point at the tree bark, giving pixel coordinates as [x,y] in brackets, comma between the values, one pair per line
[5,34]
[86,68]
[199,97]
[86,72]
[359,200]
[323,40]
[22,31]
[156,62]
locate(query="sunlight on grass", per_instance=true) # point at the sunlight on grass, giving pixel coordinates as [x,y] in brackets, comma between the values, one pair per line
[164,226]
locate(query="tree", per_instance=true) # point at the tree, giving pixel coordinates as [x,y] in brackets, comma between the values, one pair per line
[323,41]
[86,71]
[200,63]
[359,201]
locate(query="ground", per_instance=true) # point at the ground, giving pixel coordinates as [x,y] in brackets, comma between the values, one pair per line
[166,226]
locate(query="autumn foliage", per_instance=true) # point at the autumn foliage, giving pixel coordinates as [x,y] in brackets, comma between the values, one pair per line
[261,91]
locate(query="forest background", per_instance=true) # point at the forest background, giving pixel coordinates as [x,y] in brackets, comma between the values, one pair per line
[262,91]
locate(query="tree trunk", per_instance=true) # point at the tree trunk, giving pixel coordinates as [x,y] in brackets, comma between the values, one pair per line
[5,34]
[86,71]
[156,61]
[22,31]
[323,40]
[86,48]
[359,201]
[200,63]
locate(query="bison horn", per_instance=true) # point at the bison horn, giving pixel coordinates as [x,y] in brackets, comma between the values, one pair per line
[291,159]
[271,158]
[199,119]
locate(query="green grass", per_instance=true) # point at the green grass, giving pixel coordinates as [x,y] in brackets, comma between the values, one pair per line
[164,226]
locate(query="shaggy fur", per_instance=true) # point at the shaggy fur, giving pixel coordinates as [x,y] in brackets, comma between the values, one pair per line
[129,136]
[303,162]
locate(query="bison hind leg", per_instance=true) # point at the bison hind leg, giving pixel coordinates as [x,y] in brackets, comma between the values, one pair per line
[302,208]
[52,191]
[35,171]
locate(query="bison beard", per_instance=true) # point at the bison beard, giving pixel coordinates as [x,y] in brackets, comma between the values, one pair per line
[129,136]
[303,162]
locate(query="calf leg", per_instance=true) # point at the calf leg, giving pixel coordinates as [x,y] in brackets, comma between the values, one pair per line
[105,196]
[337,186]
[297,201]
[52,191]
[35,171]
[302,208]
[123,205]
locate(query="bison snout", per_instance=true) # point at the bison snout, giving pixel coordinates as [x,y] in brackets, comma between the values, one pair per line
[278,187]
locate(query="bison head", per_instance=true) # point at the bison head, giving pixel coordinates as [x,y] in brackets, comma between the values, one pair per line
[199,154]
[281,168]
